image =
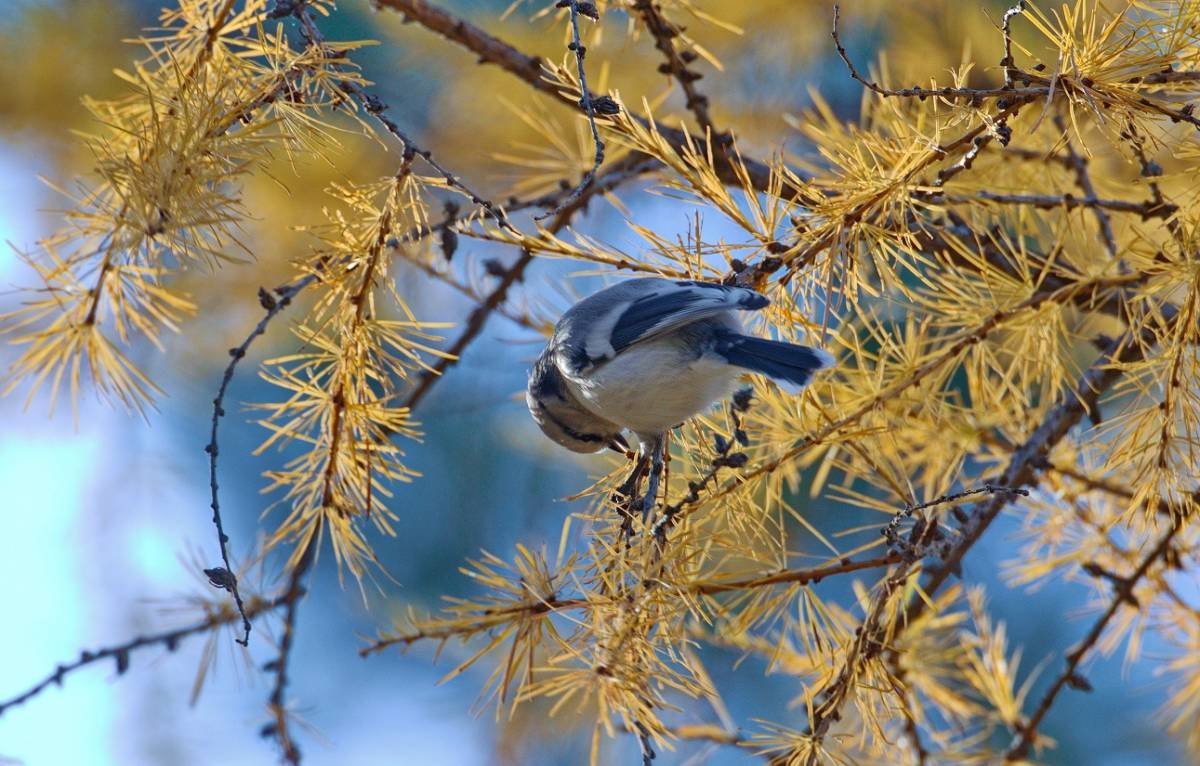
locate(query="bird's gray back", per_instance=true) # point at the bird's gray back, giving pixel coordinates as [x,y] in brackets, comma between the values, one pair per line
[602,325]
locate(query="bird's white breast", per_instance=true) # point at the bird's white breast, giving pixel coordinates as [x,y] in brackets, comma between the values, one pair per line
[654,385]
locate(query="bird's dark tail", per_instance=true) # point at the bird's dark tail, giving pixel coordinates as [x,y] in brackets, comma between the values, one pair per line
[787,363]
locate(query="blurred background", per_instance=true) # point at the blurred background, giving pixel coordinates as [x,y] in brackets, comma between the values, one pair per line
[106,517]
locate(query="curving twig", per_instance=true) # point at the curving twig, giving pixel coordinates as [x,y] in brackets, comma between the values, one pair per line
[1008,62]
[273,302]
[586,101]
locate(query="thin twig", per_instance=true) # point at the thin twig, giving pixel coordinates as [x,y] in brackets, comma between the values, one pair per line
[645,747]
[726,457]
[273,302]
[377,109]
[472,294]
[474,326]
[890,531]
[970,94]
[589,106]
[1147,210]
[1079,164]
[1008,63]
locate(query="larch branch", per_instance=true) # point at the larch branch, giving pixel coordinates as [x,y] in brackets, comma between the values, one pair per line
[492,50]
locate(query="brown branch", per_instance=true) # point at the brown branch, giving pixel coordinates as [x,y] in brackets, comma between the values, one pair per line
[471,293]
[1019,750]
[474,326]
[1024,467]
[1022,471]
[794,576]
[1079,164]
[485,619]
[1148,209]
[488,618]
[676,64]
[492,50]
[169,640]
[278,729]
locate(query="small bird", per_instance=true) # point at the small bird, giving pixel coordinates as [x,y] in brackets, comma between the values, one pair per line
[646,354]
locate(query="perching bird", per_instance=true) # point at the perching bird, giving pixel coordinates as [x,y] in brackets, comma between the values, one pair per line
[644,355]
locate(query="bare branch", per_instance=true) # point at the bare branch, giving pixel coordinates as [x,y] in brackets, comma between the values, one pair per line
[1147,210]
[255,607]
[273,302]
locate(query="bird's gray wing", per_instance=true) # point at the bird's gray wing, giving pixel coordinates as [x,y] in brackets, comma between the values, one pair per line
[649,308]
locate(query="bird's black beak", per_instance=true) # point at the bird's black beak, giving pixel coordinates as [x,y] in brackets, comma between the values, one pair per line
[618,444]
